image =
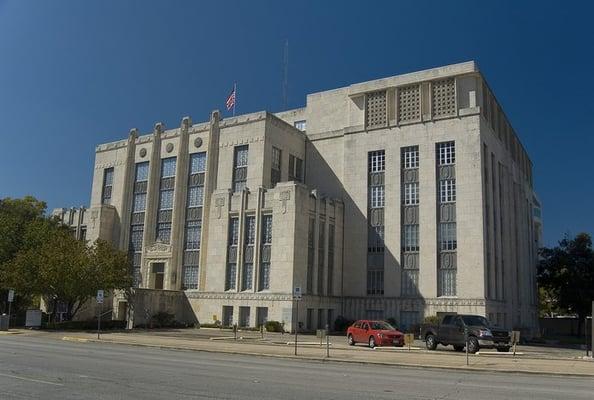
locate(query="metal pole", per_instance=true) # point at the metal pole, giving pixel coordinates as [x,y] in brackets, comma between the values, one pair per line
[99,321]
[9,307]
[327,341]
[296,323]
[466,339]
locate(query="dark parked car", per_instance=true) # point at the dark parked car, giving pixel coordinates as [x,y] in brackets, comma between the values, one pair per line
[453,328]
[374,333]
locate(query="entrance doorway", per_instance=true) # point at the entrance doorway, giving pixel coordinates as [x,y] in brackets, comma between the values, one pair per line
[158,275]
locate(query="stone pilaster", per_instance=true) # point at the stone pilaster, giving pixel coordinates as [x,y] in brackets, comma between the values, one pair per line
[128,190]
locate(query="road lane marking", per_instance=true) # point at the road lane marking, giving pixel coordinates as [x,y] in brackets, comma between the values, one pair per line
[32,380]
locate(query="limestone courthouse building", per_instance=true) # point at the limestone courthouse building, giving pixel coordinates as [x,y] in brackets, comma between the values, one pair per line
[400,198]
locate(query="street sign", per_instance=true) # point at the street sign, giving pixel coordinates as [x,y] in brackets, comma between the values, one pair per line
[10,295]
[100,296]
[297,293]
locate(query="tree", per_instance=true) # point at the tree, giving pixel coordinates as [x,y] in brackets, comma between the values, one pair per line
[566,274]
[46,260]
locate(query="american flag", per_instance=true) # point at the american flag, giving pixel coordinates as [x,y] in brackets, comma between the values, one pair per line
[231,100]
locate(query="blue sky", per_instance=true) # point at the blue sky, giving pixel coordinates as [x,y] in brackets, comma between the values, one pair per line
[77,73]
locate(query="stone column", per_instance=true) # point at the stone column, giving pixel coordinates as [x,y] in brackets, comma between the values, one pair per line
[150,219]
[128,192]
[179,207]
[210,184]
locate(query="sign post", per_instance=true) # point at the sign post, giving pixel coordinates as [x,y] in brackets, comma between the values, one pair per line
[297,298]
[327,341]
[10,300]
[100,296]
[466,340]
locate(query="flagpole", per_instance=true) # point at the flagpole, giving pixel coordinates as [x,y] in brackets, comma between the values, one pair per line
[234,100]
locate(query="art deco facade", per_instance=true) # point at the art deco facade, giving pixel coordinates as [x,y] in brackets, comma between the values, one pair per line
[401,197]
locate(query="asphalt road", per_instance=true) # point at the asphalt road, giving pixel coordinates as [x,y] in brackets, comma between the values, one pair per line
[42,368]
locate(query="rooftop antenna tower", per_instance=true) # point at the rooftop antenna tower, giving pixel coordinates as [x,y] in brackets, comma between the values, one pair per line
[286,75]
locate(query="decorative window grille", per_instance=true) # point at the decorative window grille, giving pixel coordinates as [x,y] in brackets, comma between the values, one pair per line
[321,248]
[375,239]
[409,103]
[447,153]
[443,98]
[295,168]
[375,282]
[107,186]
[265,252]
[410,241]
[193,227]
[447,236]
[248,264]
[231,275]
[377,161]
[240,162]
[447,191]
[376,112]
[330,285]
[301,125]
[410,282]
[166,189]
[244,316]
[275,173]
[227,315]
[137,220]
[310,253]
[376,166]
[411,194]
[447,282]
[410,157]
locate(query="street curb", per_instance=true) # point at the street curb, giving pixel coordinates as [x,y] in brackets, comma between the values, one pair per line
[308,358]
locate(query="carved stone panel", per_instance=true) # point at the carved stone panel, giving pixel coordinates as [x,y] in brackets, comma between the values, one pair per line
[194,213]
[232,254]
[137,218]
[410,261]
[410,175]
[447,172]
[411,215]
[376,217]
[447,212]
[248,255]
[448,260]
[376,178]
[266,253]
[167,183]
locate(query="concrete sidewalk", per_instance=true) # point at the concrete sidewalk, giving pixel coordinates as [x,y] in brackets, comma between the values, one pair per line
[273,347]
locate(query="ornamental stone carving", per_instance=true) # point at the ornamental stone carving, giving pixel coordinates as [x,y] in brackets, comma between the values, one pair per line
[197,142]
[219,204]
[447,212]
[169,147]
[284,197]
[411,175]
[447,172]
[142,153]
[411,215]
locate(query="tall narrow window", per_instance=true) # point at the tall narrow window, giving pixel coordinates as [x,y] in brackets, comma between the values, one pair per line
[165,211]
[310,253]
[265,252]
[247,276]
[321,258]
[240,164]
[275,172]
[295,168]
[446,212]
[107,186]
[193,227]
[330,285]
[376,166]
[231,273]
[409,260]
[137,220]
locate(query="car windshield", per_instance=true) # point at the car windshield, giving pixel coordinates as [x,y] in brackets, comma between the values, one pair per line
[381,325]
[475,320]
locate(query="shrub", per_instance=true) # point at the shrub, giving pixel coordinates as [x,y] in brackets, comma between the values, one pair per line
[341,324]
[432,320]
[85,325]
[274,326]
[164,319]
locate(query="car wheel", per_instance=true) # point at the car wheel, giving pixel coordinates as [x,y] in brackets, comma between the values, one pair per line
[473,345]
[350,340]
[504,349]
[371,342]
[458,348]
[431,342]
